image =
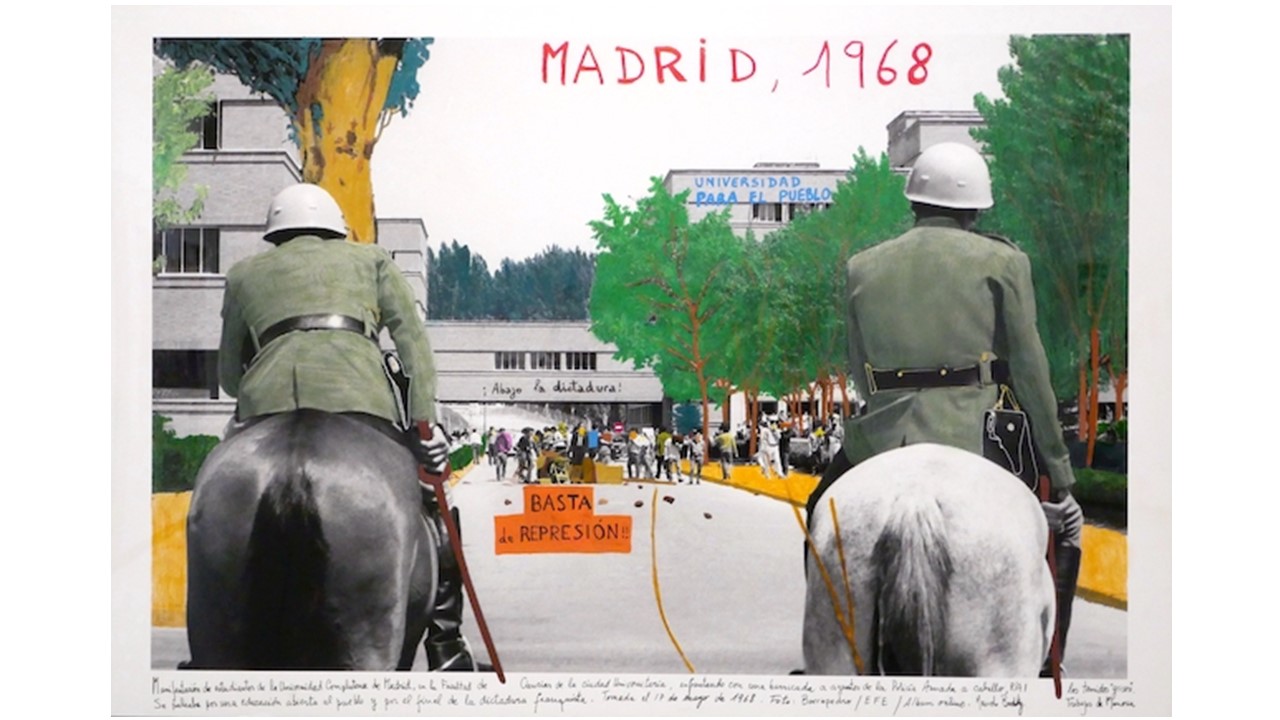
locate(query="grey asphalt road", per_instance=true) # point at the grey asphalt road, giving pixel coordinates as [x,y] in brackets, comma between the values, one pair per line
[728,571]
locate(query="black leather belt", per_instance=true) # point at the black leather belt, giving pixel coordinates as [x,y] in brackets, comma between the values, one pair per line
[922,378]
[314,322]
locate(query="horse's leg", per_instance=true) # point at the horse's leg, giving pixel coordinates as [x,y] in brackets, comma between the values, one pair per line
[840,594]
[219,523]
[826,647]
[369,586]
[1002,620]
[1001,602]
[422,592]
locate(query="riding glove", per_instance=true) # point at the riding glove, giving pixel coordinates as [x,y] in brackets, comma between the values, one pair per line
[1065,518]
[433,454]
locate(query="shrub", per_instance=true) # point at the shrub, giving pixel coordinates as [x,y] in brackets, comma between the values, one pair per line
[1101,487]
[175,461]
[1114,432]
[461,457]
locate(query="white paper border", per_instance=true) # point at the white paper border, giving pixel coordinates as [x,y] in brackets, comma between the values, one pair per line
[1149,658]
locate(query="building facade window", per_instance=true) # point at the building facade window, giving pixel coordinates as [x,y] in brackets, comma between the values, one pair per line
[766,212]
[580,361]
[207,128]
[188,249]
[508,361]
[796,210]
[185,374]
[544,360]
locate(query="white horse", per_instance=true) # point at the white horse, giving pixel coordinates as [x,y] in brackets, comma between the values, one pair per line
[938,557]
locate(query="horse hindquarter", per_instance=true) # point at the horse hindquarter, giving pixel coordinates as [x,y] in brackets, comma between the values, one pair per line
[302,547]
[944,555]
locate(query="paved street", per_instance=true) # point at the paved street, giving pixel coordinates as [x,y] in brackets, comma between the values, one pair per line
[729,573]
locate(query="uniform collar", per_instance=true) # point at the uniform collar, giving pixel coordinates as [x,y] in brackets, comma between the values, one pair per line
[938,221]
[304,240]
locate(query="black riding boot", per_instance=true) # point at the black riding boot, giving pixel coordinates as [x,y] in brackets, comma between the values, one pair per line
[1067,560]
[446,648]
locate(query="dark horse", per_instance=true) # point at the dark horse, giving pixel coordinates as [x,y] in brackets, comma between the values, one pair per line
[307,549]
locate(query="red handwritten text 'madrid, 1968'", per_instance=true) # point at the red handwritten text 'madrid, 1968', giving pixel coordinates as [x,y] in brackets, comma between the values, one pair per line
[663,63]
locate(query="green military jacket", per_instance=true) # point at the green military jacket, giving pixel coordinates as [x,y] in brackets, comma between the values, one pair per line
[939,296]
[332,370]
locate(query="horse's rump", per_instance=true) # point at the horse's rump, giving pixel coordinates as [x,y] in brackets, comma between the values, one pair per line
[303,536]
[940,555]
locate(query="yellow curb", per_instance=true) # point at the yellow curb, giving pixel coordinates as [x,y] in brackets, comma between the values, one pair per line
[1104,567]
[169,559]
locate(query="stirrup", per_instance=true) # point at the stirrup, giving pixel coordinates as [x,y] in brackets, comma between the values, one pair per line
[451,656]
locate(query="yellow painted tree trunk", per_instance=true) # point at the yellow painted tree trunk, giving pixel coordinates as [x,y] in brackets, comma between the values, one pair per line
[340,115]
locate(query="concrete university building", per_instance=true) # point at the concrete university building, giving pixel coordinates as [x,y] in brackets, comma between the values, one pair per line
[245,156]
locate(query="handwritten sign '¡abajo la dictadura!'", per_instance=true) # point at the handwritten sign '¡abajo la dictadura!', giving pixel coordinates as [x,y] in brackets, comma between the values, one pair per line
[561,519]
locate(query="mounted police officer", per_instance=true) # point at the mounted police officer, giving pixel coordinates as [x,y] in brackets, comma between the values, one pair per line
[300,326]
[941,321]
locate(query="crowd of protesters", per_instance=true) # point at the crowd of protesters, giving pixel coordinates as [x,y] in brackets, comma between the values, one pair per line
[560,452]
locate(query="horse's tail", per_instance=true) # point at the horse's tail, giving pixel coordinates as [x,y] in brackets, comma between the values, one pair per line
[285,572]
[913,571]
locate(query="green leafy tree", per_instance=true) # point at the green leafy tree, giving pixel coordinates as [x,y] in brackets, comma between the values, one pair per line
[1059,148]
[786,313]
[178,99]
[661,288]
[751,351]
[340,93]
[811,253]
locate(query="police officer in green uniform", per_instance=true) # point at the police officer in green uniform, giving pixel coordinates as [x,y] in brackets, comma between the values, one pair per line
[300,326]
[939,320]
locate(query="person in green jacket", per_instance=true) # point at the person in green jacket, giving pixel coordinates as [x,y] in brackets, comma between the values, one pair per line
[939,320]
[300,327]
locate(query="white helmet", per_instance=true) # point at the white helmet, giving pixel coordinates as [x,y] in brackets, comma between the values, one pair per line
[950,175]
[305,207]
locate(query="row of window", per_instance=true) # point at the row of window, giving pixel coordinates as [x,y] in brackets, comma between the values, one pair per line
[187,249]
[784,212]
[187,374]
[544,361]
[194,373]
